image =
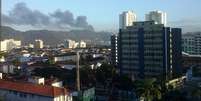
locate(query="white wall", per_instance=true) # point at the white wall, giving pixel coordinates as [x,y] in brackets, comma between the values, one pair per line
[65,58]
[58,84]
[1,76]
[37,80]
[6,68]
[17,96]
[9,44]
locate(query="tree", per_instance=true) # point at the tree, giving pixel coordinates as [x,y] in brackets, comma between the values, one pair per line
[50,61]
[87,76]
[3,54]
[147,89]
[196,94]
[16,62]
[105,72]
[175,95]
[1,98]
[123,82]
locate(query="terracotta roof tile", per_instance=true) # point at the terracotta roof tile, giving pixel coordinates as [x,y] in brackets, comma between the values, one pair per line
[42,90]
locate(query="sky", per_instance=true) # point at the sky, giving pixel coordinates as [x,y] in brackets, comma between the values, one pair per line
[103,14]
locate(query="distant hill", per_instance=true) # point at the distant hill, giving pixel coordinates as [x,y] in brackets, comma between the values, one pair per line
[56,37]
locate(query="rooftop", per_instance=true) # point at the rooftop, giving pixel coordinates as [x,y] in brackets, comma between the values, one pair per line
[189,55]
[30,88]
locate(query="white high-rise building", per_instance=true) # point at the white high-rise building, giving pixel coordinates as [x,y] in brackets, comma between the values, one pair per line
[38,44]
[82,44]
[74,44]
[9,44]
[126,19]
[70,44]
[158,16]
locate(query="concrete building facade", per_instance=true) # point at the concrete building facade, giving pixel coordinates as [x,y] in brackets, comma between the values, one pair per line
[147,49]
[18,91]
[9,44]
[191,43]
[73,44]
[114,49]
[38,44]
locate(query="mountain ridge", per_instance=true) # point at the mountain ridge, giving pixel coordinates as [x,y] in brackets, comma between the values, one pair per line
[55,37]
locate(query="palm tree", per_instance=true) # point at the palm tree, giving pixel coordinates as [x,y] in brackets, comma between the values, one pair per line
[1,98]
[196,94]
[147,89]
[105,72]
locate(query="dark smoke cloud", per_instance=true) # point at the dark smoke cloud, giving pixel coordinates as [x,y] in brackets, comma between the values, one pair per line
[81,21]
[65,17]
[22,15]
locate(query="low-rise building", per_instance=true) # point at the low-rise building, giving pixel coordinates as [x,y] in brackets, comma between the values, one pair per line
[18,91]
[8,68]
[194,73]
[25,58]
[37,80]
[191,43]
[65,57]
[190,60]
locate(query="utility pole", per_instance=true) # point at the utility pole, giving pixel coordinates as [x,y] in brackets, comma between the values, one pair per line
[78,72]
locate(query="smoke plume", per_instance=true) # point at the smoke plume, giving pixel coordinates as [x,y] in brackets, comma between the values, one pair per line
[22,15]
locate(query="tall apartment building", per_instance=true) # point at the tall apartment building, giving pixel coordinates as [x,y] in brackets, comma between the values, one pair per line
[9,44]
[158,16]
[114,49]
[126,19]
[147,49]
[69,44]
[82,44]
[38,44]
[191,43]
[74,44]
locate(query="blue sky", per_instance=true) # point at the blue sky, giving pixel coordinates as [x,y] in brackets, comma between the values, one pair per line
[103,14]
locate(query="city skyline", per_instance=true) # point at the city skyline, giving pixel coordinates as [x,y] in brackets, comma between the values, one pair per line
[109,50]
[95,13]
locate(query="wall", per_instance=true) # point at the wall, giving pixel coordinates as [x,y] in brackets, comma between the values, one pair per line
[17,96]
[65,58]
